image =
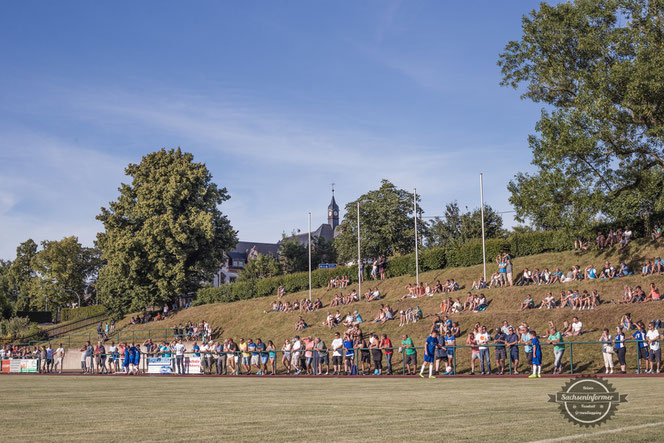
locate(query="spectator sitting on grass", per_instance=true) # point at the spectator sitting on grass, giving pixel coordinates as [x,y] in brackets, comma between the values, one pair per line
[656,233]
[646,269]
[495,280]
[479,284]
[549,302]
[574,329]
[527,303]
[526,278]
[654,294]
[300,324]
[590,273]
[608,271]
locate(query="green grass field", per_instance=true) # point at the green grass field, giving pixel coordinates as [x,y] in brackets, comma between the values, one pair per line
[73,408]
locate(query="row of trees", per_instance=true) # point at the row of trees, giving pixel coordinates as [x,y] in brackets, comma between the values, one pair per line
[61,273]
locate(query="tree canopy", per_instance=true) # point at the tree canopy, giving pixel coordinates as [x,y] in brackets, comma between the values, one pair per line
[165,234]
[455,226]
[386,224]
[598,65]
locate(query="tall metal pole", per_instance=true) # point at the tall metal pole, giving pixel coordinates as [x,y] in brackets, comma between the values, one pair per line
[359,258]
[482,212]
[310,256]
[417,261]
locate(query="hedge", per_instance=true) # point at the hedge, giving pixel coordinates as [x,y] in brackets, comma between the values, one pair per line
[71,314]
[469,253]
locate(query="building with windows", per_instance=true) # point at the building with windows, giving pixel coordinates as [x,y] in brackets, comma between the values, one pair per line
[244,251]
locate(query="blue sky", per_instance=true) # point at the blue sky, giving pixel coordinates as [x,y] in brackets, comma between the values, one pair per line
[279,99]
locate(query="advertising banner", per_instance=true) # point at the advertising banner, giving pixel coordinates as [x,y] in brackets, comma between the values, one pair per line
[15,365]
[5,365]
[29,366]
[160,366]
[192,365]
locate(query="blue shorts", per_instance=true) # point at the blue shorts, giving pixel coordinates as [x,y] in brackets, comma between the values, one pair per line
[537,359]
[263,358]
[428,358]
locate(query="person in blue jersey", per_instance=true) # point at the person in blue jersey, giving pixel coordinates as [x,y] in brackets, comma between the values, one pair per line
[196,350]
[450,343]
[137,360]
[537,355]
[512,342]
[349,355]
[430,353]
[642,356]
[127,359]
[619,347]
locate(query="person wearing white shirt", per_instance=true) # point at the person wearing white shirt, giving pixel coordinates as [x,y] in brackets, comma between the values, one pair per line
[655,354]
[59,358]
[577,327]
[297,346]
[485,359]
[179,356]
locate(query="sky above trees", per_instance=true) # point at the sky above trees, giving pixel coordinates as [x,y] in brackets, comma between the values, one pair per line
[278,99]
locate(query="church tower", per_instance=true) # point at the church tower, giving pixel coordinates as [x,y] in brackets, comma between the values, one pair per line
[333,213]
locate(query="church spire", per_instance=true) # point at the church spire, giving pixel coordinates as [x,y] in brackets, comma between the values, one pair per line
[333,212]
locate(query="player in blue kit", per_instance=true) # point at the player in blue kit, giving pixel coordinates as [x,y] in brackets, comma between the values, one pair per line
[137,359]
[430,353]
[537,355]
[450,343]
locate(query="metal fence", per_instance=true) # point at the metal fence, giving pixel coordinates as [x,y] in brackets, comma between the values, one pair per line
[592,362]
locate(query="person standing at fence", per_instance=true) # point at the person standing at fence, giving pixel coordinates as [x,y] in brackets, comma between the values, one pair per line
[376,354]
[640,337]
[179,357]
[136,359]
[501,355]
[607,351]
[286,359]
[42,365]
[512,341]
[441,352]
[349,360]
[386,346]
[49,358]
[89,352]
[128,358]
[323,356]
[261,348]
[655,353]
[483,339]
[232,358]
[555,338]
[297,353]
[450,343]
[410,359]
[537,355]
[619,348]
[59,359]
[112,358]
[337,356]
[272,355]
[220,357]
[527,348]
[84,359]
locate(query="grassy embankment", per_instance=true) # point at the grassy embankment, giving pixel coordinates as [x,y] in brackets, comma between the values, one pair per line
[247,318]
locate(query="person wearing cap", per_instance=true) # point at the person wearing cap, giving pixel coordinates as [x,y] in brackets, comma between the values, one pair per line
[655,354]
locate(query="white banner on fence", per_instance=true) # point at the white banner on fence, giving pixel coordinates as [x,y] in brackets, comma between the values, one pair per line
[192,365]
[21,365]
[160,366]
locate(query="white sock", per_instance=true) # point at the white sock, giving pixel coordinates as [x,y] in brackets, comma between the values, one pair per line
[534,369]
[422,370]
[430,370]
[539,369]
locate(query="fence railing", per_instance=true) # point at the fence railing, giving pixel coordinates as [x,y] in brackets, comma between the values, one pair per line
[362,359]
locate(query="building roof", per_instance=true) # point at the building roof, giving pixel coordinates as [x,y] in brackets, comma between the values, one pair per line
[243,247]
[333,204]
[325,231]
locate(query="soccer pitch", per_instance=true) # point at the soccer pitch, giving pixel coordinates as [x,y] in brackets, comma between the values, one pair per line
[76,408]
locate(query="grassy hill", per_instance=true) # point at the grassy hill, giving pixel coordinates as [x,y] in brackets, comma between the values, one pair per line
[247,318]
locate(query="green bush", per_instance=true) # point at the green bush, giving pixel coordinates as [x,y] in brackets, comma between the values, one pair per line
[431,259]
[402,265]
[73,314]
[243,290]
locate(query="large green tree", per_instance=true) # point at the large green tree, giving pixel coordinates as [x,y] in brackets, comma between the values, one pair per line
[293,255]
[165,234]
[65,269]
[455,226]
[22,277]
[598,65]
[262,266]
[386,224]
